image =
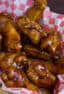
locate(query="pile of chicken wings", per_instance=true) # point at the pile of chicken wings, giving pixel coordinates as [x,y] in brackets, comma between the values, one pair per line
[29,54]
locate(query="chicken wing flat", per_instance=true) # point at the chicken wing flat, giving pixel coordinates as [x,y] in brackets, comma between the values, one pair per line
[34,52]
[13,40]
[10,34]
[36,10]
[40,75]
[31,29]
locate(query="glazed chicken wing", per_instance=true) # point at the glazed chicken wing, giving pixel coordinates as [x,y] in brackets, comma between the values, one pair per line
[10,34]
[40,75]
[51,43]
[14,77]
[31,29]
[18,60]
[12,42]
[36,10]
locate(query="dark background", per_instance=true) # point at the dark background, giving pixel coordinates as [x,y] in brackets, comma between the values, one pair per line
[56,6]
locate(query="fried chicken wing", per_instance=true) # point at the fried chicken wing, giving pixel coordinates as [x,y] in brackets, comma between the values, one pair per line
[34,52]
[9,32]
[40,75]
[18,60]
[51,43]
[14,77]
[36,10]
[12,41]
[31,29]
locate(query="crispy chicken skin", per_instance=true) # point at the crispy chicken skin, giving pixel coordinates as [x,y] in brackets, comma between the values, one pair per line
[36,9]
[31,29]
[9,32]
